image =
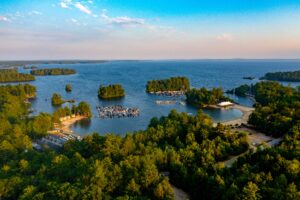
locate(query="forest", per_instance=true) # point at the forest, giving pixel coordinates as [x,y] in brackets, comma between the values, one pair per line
[12,75]
[190,148]
[171,84]
[282,76]
[52,72]
[203,97]
[277,108]
[111,91]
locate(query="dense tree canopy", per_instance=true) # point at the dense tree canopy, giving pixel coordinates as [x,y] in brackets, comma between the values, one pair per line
[52,72]
[203,97]
[171,84]
[242,90]
[12,75]
[111,91]
[83,109]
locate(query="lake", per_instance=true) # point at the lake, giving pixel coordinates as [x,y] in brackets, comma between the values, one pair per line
[133,75]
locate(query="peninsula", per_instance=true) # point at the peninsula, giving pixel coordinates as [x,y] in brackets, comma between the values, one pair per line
[282,76]
[203,97]
[52,72]
[12,75]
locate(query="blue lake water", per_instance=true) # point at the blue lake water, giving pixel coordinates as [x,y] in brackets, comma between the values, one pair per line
[133,75]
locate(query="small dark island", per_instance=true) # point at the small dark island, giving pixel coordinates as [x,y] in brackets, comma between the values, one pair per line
[173,86]
[111,92]
[203,97]
[52,72]
[282,76]
[12,75]
[68,88]
[249,77]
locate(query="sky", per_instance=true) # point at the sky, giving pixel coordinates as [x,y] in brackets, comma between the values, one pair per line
[149,29]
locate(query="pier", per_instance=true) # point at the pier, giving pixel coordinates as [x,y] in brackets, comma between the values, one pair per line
[117,111]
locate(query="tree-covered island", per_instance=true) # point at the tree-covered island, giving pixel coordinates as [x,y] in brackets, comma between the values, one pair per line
[52,72]
[68,88]
[203,97]
[171,86]
[282,76]
[111,91]
[12,75]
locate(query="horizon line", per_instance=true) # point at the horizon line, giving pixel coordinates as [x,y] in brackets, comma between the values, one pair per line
[158,59]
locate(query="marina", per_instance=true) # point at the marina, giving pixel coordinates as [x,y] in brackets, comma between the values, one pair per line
[170,102]
[169,93]
[117,111]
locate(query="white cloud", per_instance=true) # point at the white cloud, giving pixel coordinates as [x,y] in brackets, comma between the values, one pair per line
[123,20]
[128,22]
[3,19]
[74,20]
[225,37]
[78,5]
[83,8]
[63,5]
[34,12]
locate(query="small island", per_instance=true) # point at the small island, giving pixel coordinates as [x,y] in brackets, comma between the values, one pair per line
[174,86]
[111,91]
[68,88]
[204,98]
[52,72]
[282,76]
[12,75]
[248,77]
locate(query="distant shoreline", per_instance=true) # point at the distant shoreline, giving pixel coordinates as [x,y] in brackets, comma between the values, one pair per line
[74,61]
[19,63]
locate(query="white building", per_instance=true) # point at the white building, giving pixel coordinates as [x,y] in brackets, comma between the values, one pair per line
[225,104]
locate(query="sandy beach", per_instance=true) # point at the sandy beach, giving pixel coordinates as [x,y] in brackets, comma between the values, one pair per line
[65,125]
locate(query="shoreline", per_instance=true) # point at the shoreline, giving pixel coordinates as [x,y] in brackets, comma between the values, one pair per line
[65,126]
[246,112]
